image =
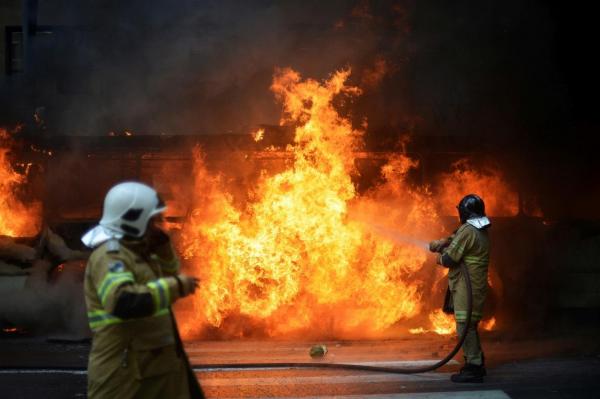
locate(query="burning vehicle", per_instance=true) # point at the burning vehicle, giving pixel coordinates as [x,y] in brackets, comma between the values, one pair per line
[295,230]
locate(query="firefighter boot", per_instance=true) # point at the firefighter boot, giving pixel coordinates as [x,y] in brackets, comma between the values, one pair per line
[469,373]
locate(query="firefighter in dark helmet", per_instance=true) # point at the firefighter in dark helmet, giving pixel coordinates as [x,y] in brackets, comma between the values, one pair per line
[131,280]
[470,245]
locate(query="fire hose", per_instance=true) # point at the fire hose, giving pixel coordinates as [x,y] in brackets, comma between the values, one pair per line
[345,366]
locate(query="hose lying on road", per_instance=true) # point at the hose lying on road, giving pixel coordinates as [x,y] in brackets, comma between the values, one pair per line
[395,370]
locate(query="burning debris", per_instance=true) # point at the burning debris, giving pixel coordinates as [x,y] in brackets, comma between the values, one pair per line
[35,297]
[17,218]
[258,135]
[22,239]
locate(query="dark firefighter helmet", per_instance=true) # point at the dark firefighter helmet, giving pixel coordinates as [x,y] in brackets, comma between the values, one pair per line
[470,207]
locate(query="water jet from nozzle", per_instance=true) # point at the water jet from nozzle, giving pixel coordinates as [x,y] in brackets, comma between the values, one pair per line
[398,237]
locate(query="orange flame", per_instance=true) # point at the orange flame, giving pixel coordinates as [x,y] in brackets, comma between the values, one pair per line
[373,76]
[16,218]
[487,182]
[442,323]
[303,252]
[258,135]
[295,258]
[488,325]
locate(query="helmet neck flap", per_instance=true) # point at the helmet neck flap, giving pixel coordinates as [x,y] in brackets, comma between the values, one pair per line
[128,207]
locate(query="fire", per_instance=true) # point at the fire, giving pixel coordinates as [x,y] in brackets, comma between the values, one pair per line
[296,258]
[442,323]
[371,77]
[17,219]
[258,135]
[487,182]
[124,133]
[488,325]
[301,252]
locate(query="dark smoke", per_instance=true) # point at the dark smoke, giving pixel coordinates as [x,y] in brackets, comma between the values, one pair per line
[487,70]
[188,66]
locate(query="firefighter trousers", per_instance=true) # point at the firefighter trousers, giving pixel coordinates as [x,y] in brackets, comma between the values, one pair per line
[472,346]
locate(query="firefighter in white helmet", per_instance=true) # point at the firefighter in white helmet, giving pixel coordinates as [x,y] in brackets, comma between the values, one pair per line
[131,280]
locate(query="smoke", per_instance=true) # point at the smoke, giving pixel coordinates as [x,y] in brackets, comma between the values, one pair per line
[193,66]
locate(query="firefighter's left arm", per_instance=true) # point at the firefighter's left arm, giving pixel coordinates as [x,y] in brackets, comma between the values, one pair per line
[446,260]
[121,295]
[142,300]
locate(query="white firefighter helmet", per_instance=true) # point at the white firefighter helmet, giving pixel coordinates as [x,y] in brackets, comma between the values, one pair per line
[129,206]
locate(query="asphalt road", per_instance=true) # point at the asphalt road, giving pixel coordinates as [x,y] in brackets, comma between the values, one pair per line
[553,368]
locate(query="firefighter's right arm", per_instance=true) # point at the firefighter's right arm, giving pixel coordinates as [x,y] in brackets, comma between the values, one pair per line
[123,297]
[453,254]
[161,250]
[440,245]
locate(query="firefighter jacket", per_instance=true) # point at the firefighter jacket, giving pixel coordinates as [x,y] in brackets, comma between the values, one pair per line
[470,246]
[128,293]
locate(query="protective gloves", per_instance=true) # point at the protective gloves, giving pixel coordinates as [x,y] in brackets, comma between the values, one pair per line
[187,284]
[439,245]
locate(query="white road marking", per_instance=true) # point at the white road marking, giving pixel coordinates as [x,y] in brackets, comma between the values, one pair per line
[43,371]
[492,394]
[324,380]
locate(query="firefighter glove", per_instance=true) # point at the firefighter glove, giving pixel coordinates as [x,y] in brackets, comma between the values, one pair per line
[187,284]
[438,245]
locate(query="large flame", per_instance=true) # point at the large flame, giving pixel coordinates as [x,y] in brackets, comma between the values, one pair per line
[296,258]
[487,182]
[301,252]
[17,219]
